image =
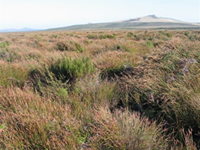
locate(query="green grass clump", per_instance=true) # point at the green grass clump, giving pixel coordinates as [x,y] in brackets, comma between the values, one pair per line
[105,36]
[55,80]
[78,47]
[72,46]
[90,36]
[71,69]
[150,44]
[4,44]
[12,75]
[169,35]
[130,34]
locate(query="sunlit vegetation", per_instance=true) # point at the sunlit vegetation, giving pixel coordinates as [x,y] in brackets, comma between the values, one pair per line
[100,90]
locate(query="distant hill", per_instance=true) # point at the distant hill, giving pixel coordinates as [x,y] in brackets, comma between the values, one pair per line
[152,18]
[146,22]
[18,30]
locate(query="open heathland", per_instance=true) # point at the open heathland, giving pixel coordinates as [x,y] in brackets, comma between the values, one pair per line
[100,90]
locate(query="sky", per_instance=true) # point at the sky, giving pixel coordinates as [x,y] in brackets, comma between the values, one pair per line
[44,14]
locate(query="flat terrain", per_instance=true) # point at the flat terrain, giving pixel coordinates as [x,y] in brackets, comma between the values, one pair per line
[100,90]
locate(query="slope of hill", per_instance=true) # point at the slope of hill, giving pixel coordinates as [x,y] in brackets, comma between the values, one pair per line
[152,18]
[147,22]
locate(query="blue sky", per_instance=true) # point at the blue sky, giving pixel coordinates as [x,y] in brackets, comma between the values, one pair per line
[42,14]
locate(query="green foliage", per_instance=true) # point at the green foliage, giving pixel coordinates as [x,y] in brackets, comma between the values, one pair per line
[70,69]
[8,56]
[150,44]
[11,75]
[187,33]
[92,36]
[169,35]
[105,36]
[118,47]
[62,46]
[45,83]
[193,37]
[79,48]
[4,44]
[2,126]
[137,38]
[55,36]
[72,46]
[130,34]
[39,39]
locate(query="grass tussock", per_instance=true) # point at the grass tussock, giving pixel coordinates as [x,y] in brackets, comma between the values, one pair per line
[100,90]
[125,130]
[167,88]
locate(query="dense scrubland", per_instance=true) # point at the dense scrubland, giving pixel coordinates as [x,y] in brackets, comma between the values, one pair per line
[100,90]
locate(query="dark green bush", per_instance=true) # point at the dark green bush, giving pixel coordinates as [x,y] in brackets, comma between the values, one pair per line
[193,38]
[118,47]
[137,38]
[187,33]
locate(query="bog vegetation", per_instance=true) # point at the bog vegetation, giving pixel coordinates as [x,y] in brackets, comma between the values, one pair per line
[100,90]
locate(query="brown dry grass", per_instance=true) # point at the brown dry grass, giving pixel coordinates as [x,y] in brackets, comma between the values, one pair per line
[155,105]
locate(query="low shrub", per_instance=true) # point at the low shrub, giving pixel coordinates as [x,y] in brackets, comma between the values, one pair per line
[107,36]
[150,44]
[92,36]
[78,47]
[52,80]
[68,69]
[4,44]
[187,33]
[12,75]
[169,35]
[62,46]
[130,34]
